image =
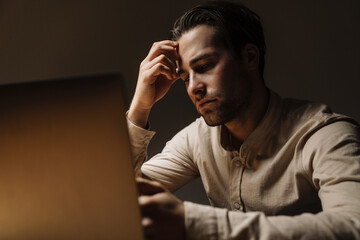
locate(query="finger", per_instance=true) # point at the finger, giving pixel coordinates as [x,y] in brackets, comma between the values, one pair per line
[167,42]
[148,206]
[151,229]
[148,226]
[162,58]
[157,70]
[168,48]
[165,61]
[149,187]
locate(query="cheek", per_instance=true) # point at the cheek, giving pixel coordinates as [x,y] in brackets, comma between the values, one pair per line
[219,81]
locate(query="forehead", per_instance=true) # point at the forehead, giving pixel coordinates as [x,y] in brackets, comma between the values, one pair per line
[197,41]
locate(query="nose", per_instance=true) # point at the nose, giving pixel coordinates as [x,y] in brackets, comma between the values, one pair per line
[196,86]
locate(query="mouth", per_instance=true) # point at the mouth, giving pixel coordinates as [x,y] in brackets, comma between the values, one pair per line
[204,103]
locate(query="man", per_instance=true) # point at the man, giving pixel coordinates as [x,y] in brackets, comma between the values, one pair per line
[272,168]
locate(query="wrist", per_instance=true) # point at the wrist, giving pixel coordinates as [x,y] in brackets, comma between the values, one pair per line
[139,117]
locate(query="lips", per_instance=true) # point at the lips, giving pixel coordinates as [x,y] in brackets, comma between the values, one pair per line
[204,102]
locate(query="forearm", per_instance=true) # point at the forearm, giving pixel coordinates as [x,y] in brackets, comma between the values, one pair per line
[156,75]
[205,222]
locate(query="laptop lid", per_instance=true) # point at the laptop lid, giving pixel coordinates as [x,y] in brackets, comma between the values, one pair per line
[65,168]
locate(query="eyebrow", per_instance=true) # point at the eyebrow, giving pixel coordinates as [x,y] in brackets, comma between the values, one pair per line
[202,56]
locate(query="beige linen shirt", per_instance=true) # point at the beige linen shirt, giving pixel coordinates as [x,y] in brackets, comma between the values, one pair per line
[297,176]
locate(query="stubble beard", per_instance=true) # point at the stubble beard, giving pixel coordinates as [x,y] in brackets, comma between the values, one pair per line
[221,115]
[228,110]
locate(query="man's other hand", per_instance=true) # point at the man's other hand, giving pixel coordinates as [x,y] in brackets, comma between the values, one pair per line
[162,213]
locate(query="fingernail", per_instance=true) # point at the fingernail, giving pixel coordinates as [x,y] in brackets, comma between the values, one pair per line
[142,200]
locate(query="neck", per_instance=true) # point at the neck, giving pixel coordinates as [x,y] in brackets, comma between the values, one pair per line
[242,126]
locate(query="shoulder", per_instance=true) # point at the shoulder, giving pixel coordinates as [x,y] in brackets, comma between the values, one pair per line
[302,109]
[310,116]
[323,137]
[341,135]
[311,125]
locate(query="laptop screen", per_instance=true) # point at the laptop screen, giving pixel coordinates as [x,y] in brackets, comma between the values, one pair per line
[65,167]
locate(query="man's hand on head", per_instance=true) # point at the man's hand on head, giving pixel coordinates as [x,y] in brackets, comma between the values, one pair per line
[162,213]
[156,74]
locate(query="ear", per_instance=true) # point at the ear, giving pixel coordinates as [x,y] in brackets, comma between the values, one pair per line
[250,56]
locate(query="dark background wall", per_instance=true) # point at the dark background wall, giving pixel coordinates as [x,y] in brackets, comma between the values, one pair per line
[313,50]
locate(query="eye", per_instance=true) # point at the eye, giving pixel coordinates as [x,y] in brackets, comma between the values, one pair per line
[203,67]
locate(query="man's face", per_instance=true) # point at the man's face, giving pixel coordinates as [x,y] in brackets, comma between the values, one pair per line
[216,82]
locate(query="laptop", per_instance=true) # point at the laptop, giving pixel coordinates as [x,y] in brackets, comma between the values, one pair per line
[65,167]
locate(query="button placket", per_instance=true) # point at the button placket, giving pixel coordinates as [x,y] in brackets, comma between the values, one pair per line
[236,160]
[240,163]
[235,173]
[243,168]
[238,206]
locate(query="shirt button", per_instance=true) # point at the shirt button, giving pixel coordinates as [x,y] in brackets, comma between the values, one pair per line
[238,163]
[237,205]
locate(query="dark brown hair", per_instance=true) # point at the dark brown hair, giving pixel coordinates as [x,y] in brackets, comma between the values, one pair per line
[234,24]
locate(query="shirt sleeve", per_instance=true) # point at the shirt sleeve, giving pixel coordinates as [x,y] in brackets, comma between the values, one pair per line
[139,141]
[173,167]
[331,157]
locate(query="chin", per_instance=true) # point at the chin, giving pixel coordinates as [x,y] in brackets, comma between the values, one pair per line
[217,118]
[213,121]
